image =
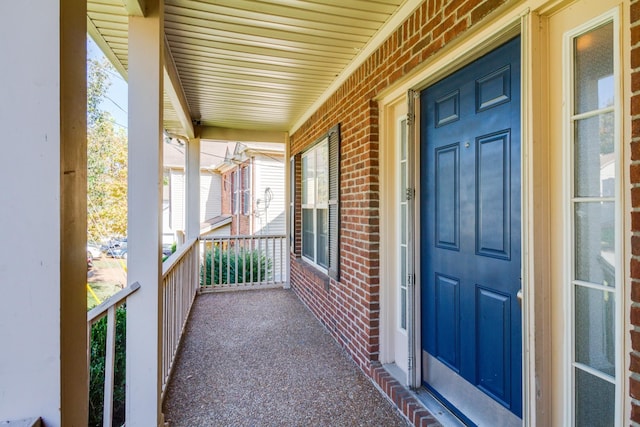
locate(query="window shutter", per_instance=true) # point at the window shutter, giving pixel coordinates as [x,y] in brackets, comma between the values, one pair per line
[292,204]
[334,202]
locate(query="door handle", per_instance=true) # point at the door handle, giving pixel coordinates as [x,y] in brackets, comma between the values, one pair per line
[519,296]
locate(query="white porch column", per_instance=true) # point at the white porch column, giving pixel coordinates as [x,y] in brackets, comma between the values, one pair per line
[43,269]
[193,188]
[144,309]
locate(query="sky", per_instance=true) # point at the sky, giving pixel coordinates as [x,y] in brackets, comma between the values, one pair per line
[116,100]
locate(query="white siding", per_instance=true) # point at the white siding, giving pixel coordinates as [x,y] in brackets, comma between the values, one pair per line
[176,194]
[210,195]
[225,230]
[269,173]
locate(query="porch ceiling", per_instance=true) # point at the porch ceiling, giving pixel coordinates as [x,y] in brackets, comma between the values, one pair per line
[254,64]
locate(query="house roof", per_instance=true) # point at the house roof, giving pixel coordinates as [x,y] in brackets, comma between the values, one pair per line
[213,223]
[242,150]
[251,64]
[211,153]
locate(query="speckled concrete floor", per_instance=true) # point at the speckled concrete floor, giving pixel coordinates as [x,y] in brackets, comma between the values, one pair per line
[260,358]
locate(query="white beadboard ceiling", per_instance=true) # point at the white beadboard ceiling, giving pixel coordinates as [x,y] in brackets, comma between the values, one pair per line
[255,64]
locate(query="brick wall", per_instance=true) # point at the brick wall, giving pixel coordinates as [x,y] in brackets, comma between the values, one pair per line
[634,174]
[350,308]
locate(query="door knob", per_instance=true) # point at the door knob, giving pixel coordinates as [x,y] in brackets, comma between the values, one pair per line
[519,296]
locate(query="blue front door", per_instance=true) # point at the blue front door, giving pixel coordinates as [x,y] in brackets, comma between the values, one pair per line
[470,234]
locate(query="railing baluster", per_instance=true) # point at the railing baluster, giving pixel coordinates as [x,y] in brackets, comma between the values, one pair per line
[242,262]
[109,367]
[181,279]
[108,308]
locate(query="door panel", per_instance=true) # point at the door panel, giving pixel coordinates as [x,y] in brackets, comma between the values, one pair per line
[470,234]
[493,216]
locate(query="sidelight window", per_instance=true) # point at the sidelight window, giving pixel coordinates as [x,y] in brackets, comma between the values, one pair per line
[594,206]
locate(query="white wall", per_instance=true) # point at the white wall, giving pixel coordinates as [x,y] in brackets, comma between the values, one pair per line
[210,195]
[225,230]
[177,197]
[269,172]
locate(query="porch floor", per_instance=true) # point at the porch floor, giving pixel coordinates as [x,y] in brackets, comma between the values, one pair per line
[260,358]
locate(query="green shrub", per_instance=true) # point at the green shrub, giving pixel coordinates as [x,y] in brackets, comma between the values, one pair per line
[98,346]
[231,266]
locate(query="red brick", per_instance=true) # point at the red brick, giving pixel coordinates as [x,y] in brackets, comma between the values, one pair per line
[635,291]
[635,223]
[635,340]
[635,412]
[634,12]
[635,57]
[417,415]
[635,315]
[466,7]
[635,105]
[635,35]
[634,173]
[635,201]
[635,81]
[634,364]
[484,9]
[635,267]
[455,31]
[635,152]
[634,388]
[426,421]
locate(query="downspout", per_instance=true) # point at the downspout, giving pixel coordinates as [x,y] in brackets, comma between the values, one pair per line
[411,279]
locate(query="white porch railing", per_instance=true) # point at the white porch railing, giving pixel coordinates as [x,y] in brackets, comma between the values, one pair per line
[108,308]
[242,262]
[179,286]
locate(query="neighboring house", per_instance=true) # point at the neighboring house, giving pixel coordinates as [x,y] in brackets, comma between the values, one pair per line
[253,189]
[173,205]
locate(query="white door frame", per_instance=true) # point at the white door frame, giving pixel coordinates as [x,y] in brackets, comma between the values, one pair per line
[527,18]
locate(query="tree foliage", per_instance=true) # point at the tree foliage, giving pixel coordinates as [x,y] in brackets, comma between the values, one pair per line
[98,346]
[106,159]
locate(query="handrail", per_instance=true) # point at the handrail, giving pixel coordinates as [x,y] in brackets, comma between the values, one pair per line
[179,286]
[108,309]
[100,310]
[241,236]
[175,257]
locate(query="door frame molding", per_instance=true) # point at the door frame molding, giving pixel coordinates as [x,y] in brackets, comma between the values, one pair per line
[388,229]
[618,11]
[506,23]
[527,18]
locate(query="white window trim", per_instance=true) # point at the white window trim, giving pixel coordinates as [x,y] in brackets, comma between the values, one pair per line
[245,189]
[612,16]
[314,206]
[235,191]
